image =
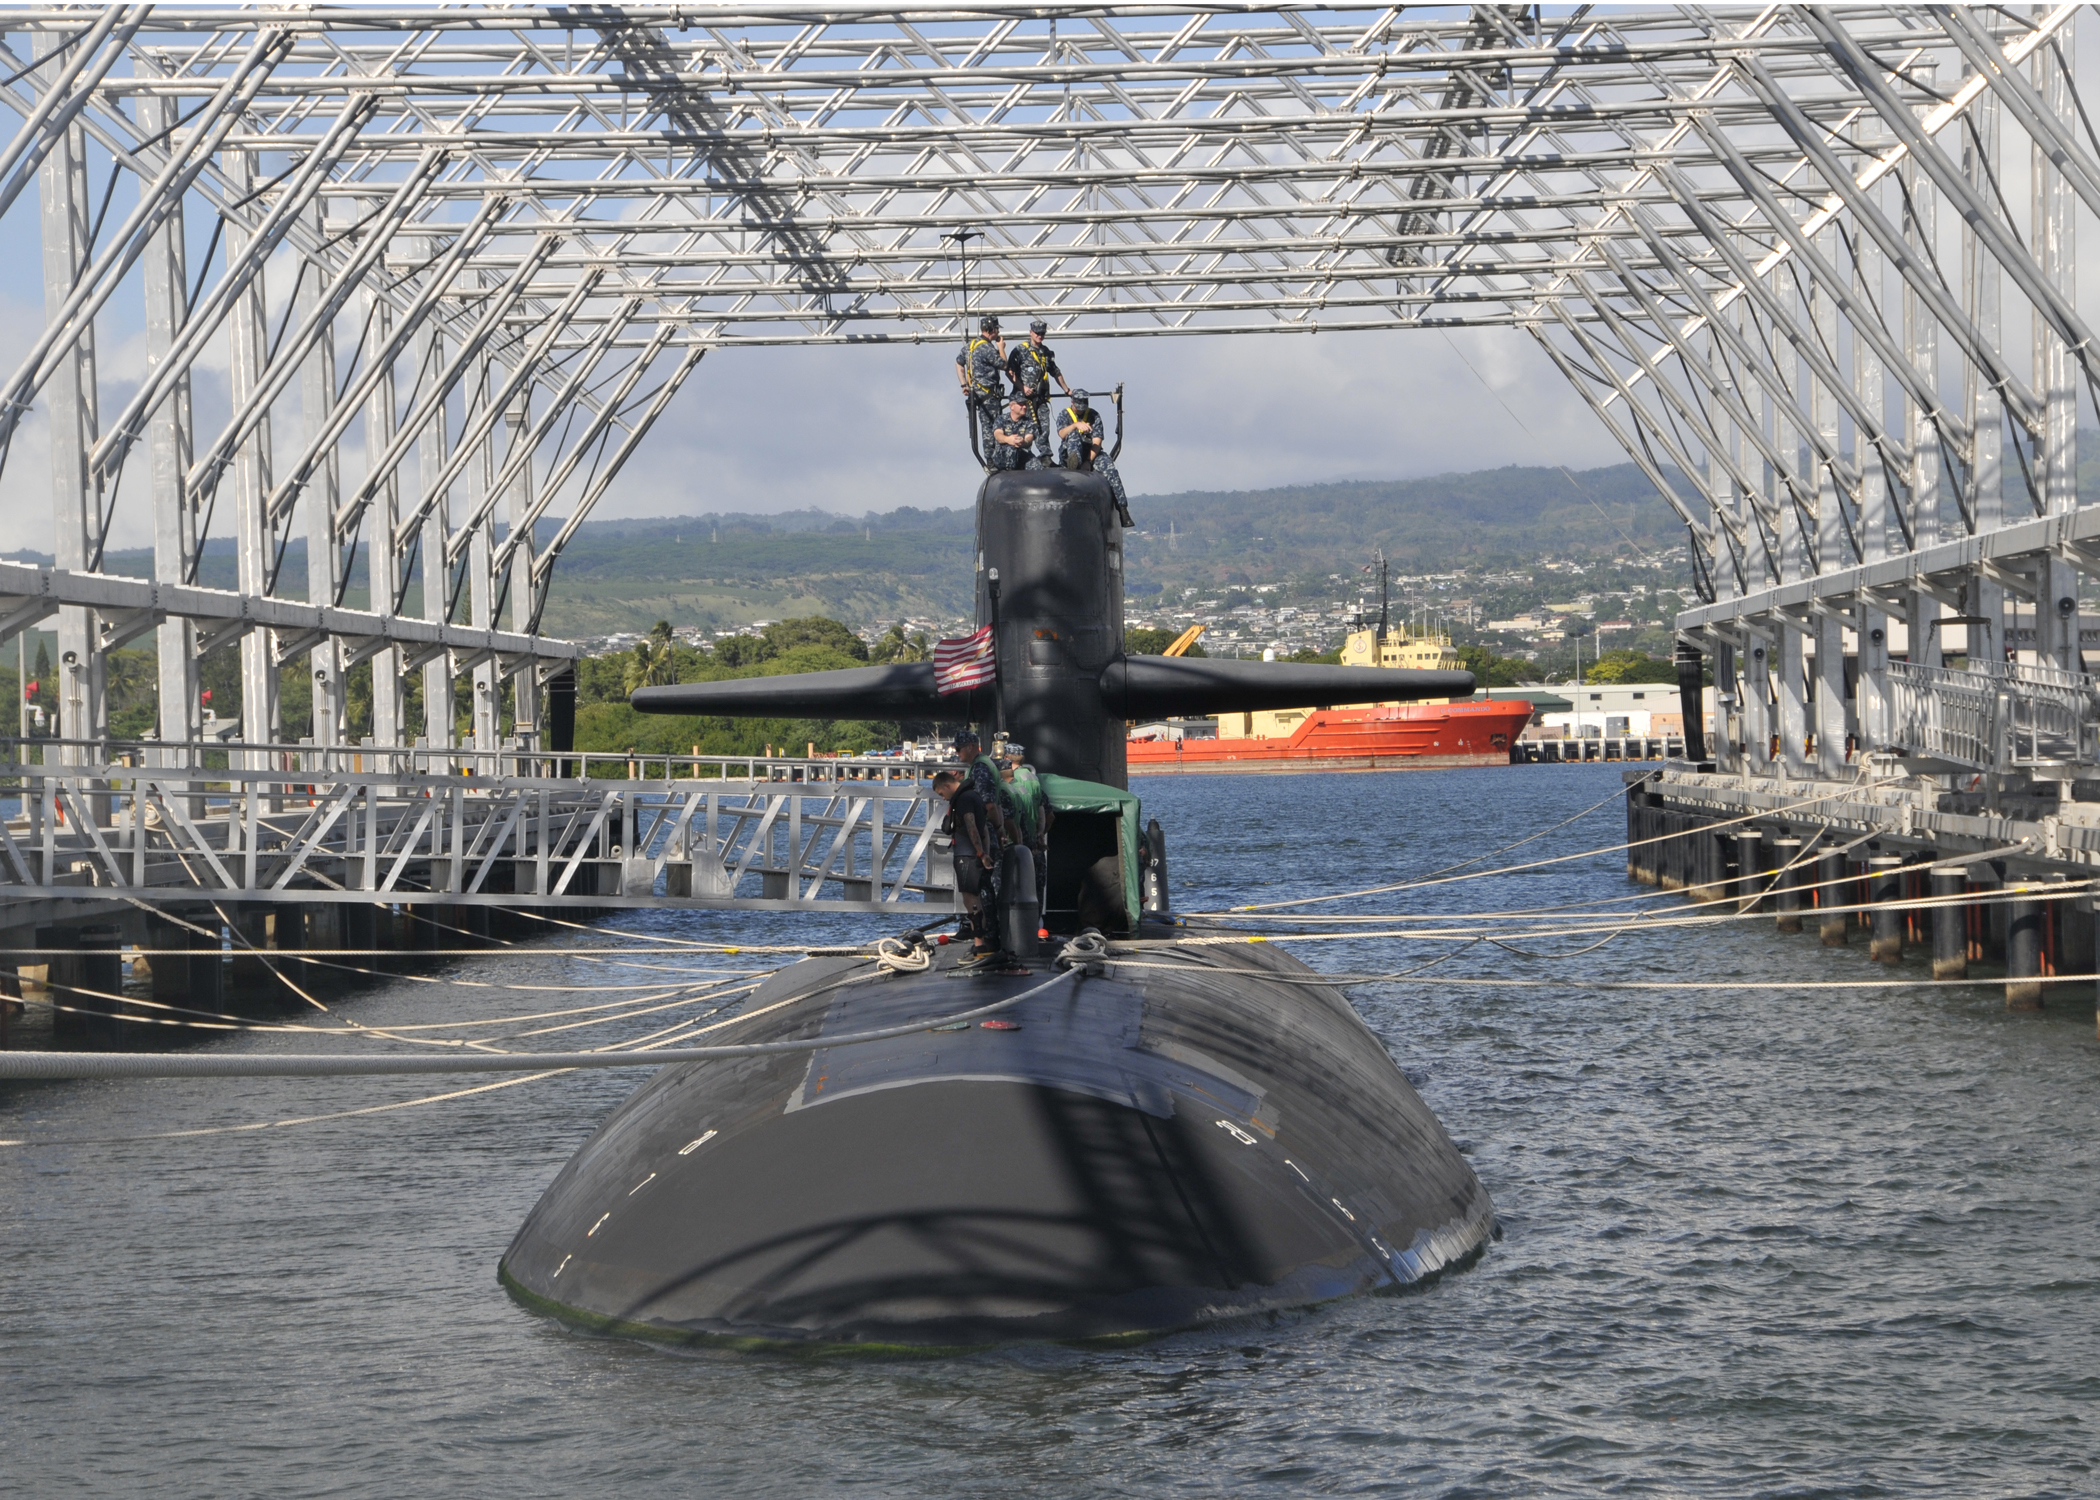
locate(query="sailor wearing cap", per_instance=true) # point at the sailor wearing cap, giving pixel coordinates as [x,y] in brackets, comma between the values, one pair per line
[1015,436]
[979,370]
[1081,446]
[984,780]
[1032,367]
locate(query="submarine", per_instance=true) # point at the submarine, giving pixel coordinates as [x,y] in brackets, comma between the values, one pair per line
[1147,1136]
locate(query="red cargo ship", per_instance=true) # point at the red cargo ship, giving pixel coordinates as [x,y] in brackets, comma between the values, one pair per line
[1350,737]
[1406,736]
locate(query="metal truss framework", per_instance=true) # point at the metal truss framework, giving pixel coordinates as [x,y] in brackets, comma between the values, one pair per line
[468,828]
[454,261]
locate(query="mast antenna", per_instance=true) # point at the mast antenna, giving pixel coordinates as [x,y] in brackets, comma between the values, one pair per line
[962,238]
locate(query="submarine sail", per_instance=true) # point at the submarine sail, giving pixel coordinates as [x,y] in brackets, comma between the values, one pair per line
[1148,1139]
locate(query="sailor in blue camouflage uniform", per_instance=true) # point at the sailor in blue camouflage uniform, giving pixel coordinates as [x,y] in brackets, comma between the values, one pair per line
[984,780]
[1080,446]
[981,776]
[1014,437]
[1031,367]
[980,369]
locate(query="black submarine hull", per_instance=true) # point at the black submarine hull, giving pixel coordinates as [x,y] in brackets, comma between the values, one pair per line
[1144,1151]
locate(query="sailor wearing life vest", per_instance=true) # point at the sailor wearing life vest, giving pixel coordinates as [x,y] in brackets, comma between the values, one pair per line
[1015,435]
[1031,367]
[1081,446]
[980,369]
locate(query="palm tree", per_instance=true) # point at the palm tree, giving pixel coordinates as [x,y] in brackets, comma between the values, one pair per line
[652,665]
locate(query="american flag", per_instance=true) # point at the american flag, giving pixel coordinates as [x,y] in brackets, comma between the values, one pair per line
[963,663]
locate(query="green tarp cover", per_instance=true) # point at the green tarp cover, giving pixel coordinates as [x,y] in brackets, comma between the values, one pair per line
[1068,794]
[1027,793]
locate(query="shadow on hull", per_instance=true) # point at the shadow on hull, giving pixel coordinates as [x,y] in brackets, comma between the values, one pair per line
[1147,1152]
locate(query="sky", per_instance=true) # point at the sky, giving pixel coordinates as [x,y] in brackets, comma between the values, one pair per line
[878,427]
[853,430]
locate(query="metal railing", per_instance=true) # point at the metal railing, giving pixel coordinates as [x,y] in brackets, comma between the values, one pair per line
[1996,718]
[1943,714]
[416,825]
[2049,716]
[306,760]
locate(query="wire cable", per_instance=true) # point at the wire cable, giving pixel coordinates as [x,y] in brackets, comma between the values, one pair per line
[54,1065]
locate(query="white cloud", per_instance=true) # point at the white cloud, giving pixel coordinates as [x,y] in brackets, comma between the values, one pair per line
[872,429]
[852,430]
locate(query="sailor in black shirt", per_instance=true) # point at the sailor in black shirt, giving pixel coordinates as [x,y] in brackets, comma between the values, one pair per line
[976,845]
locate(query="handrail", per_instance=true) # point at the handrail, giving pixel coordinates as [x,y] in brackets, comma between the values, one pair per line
[306,761]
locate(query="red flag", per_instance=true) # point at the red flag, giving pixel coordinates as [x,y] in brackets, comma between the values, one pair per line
[205,697]
[963,663]
[30,691]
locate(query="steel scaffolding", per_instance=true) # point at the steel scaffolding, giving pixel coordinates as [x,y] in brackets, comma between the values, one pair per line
[415,281]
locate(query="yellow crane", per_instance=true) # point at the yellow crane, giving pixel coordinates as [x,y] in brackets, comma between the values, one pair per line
[1182,642]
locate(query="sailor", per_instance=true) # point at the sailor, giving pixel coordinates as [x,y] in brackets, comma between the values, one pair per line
[985,781]
[1080,446]
[1014,437]
[978,369]
[1030,811]
[1032,395]
[1032,367]
[976,855]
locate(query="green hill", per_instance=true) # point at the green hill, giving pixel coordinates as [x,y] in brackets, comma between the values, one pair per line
[725,571]
[728,570]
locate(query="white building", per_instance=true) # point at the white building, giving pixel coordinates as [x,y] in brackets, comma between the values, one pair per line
[1612,710]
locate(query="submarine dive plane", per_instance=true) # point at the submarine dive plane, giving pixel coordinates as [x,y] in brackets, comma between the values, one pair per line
[1162,1136]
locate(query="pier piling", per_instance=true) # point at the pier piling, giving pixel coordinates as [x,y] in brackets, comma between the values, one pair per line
[472,923]
[1950,922]
[2023,948]
[251,986]
[1885,891]
[358,922]
[83,979]
[1833,872]
[1994,917]
[170,969]
[1787,897]
[2092,907]
[1749,869]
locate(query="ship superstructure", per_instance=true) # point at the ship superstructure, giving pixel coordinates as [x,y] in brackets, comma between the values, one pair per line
[1417,734]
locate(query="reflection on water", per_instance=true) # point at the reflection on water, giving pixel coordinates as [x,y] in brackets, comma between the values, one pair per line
[1758,1242]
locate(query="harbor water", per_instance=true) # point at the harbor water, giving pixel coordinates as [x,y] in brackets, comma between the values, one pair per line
[1784,1242]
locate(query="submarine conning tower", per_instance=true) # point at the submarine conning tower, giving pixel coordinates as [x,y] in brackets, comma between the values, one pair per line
[1050,579]
[1050,563]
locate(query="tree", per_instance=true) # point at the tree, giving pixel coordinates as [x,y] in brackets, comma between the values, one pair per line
[1153,641]
[743,650]
[896,646]
[652,664]
[1490,670]
[815,630]
[1630,666]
